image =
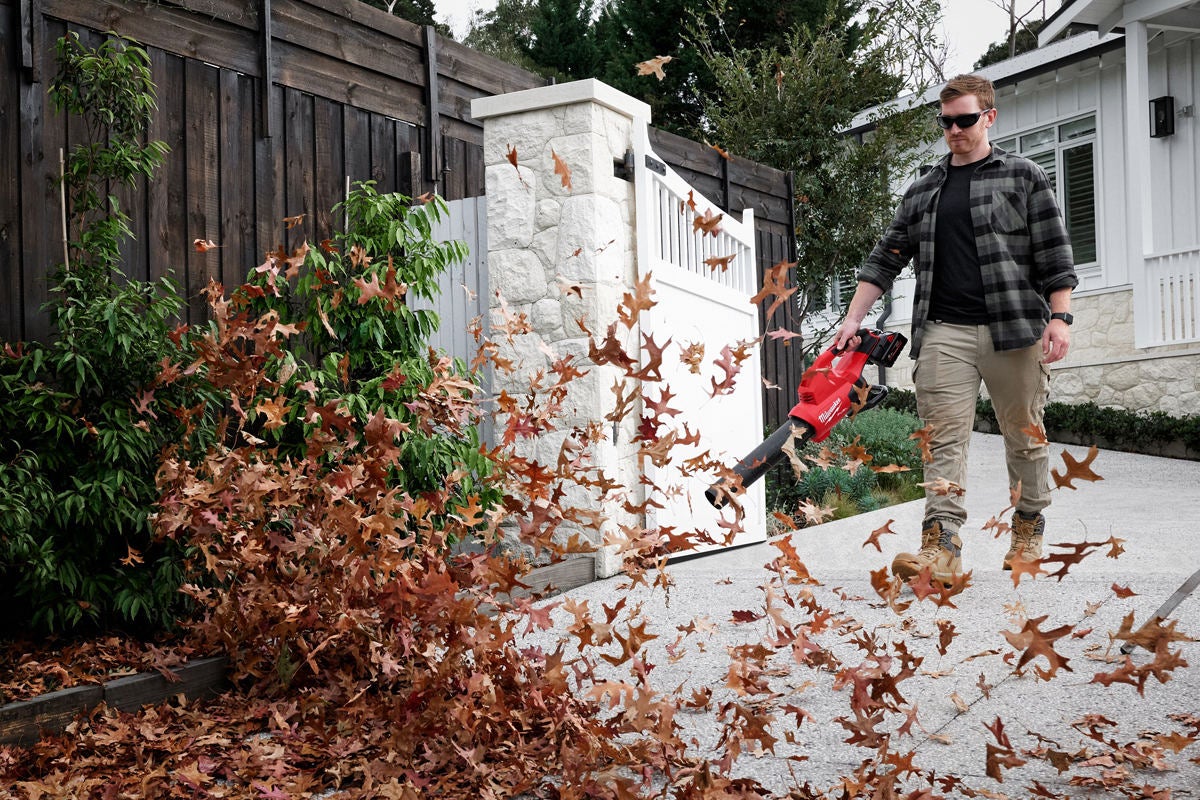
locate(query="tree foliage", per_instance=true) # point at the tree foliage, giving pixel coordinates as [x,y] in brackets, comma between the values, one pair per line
[791,106]
[419,12]
[504,32]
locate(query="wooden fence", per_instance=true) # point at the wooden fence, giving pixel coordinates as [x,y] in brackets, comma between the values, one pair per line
[271,108]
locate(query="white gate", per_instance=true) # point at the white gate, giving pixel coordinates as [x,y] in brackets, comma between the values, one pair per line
[704,274]
[464,291]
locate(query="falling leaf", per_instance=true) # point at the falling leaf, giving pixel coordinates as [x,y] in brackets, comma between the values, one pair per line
[1034,642]
[561,169]
[708,222]
[923,438]
[873,539]
[1076,470]
[719,262]
[653,66]
[942,486]
[1036,435]
[132,557]
[634,303]
[204,245]
[775,286]
[293,221]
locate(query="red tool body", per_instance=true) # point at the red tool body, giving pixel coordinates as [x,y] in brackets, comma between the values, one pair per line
[831,389]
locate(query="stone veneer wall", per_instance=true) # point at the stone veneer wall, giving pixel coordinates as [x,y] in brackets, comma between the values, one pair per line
[1103,365]
[564,255]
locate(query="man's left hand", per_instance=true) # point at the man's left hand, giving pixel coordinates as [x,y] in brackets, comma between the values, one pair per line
[1056,341]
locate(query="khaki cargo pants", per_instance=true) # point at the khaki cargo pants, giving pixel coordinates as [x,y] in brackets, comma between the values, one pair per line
[953,361]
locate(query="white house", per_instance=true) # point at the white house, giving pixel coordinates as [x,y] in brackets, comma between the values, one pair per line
[1110,115]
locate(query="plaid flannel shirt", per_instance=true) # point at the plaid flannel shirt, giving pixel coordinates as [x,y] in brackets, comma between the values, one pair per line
[1020,236]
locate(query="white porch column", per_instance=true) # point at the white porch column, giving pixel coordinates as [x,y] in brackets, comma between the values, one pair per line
[562,255]
[1139,195]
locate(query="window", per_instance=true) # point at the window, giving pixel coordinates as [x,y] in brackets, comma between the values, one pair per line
[1067,153]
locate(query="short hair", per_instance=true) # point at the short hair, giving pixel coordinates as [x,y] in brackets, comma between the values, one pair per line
[963,85]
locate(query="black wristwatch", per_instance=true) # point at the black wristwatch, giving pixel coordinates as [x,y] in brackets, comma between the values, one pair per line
[1064,316]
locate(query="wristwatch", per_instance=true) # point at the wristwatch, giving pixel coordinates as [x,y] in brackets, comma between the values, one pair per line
[1064,316]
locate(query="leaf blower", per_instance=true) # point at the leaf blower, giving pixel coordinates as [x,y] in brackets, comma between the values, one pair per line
[830,389]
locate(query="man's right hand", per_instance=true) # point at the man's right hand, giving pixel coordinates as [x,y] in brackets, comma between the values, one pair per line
[847,335]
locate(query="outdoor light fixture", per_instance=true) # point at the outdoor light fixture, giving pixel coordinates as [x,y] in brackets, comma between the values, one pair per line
[1162,116]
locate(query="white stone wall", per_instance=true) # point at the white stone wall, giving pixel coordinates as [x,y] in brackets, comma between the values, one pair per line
[563,255]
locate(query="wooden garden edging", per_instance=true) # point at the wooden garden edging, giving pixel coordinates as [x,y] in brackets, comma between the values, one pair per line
[23,722]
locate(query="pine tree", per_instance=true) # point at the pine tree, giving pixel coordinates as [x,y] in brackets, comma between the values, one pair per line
[562,43]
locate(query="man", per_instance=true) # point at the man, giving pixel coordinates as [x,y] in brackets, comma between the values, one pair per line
[994,274]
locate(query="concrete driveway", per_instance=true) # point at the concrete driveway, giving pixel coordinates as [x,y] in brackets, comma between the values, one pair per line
[1070,732]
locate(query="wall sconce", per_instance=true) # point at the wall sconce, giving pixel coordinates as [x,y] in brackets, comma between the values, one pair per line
[1162,116]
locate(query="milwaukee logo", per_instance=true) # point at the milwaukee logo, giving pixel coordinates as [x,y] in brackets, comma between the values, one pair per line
[831,412]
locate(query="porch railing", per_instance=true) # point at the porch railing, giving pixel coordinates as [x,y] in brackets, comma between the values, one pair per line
[1169,311]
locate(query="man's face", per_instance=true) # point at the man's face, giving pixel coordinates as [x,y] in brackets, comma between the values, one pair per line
[974,139]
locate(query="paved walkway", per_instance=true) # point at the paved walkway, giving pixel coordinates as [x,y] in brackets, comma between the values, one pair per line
[1151,503]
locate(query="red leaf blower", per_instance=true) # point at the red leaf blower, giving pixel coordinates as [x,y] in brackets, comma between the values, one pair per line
[830,389]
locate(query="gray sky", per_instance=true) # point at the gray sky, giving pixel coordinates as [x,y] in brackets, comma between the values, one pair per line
[971,25]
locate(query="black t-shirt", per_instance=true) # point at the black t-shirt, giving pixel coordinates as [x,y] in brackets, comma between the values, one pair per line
[958,295]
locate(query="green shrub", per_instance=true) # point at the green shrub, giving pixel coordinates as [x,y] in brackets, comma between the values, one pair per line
[360,347]
[882,433]
[1134,431]
[81,422]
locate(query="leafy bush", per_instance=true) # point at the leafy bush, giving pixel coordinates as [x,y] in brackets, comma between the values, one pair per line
[81,426]
[355,345]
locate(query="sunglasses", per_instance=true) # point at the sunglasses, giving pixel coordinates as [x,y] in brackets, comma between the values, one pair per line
[963,121]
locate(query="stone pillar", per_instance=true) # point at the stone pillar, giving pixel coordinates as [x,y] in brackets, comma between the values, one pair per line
[563,254]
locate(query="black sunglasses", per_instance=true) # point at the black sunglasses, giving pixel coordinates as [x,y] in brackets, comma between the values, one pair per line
[963,121]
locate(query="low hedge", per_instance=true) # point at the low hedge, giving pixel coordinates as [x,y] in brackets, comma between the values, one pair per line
[1150,433]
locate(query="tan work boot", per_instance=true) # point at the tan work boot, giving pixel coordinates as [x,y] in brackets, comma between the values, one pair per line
[1026,538]
[941,551]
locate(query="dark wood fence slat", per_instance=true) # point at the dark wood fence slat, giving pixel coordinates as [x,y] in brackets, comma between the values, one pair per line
[11,311]
[356,148]
[329,165]
[383,154]
[165,213]
[236,144]
[323,75]
[203,181]
[173,29]
[44,133]
[315,29]
[298,174]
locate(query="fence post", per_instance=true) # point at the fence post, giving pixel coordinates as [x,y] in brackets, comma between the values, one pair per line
[561,250]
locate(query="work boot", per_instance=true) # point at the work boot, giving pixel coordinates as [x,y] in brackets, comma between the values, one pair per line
[941,551]
[1026,538]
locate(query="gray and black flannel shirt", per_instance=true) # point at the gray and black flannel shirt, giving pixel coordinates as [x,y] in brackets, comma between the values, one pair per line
[1020,236]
